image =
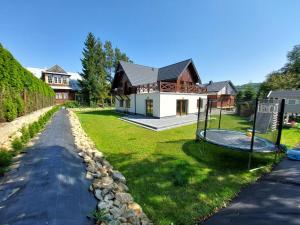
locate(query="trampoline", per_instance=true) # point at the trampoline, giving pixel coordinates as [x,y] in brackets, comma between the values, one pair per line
[237,140]
[263,116]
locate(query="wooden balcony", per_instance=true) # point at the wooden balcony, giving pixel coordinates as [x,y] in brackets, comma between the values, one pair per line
[170,87]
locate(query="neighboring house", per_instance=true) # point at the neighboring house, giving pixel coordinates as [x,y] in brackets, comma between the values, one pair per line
[292,100]
[159,92]
[64,84]
[222,92]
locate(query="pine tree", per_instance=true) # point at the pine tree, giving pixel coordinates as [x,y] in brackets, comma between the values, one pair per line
[90,81]
[109,65]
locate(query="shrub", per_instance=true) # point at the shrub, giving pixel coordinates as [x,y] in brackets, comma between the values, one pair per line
[33,129]
[100,216]
[5,158]
[17,144]
[10,110]
[25,135]
[72,104]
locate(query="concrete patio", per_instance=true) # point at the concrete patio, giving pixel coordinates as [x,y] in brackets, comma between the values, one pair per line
[159,124]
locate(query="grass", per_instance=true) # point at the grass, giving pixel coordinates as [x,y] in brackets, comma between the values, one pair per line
[175,179]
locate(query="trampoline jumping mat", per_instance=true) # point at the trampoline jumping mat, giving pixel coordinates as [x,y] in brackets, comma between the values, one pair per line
[237,140]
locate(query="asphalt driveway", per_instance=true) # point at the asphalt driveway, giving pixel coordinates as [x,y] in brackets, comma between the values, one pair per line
[50,186]
[275,199]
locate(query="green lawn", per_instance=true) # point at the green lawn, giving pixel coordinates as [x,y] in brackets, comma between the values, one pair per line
[175,179]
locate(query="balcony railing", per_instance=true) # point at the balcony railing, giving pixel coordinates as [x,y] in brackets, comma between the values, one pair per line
[170,87]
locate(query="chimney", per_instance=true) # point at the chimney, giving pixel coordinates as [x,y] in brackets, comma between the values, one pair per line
[210,82]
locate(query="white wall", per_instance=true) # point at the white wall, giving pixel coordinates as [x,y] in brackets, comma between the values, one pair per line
[168,103]
[141,103]
[164,104]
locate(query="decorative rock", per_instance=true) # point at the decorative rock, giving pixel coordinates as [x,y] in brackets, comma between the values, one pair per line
[89,176]
[136,208]
[106,182]
[98,156]
[98,194]
[108,197]
[116,212]
[118,176]
[103,206]
[120,187]
[124,197]
[108,185]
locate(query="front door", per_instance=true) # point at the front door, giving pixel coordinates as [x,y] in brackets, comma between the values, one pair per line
[182,107]
[149,107]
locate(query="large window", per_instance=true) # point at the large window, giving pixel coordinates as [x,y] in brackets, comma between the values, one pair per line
[127,103]
[59,79]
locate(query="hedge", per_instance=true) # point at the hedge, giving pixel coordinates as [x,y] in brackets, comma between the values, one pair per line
[20,91]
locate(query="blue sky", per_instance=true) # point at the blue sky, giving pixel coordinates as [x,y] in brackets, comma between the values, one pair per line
[239,40]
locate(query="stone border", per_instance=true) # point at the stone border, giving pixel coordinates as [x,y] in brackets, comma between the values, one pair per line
[108,185]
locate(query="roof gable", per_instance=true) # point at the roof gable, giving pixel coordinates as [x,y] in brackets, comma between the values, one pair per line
[217,86]
[56,69]
[139,74]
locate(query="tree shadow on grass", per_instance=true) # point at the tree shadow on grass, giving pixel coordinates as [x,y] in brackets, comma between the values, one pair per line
[153,180]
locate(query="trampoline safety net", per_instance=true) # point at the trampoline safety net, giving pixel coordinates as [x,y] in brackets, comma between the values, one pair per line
[250,126]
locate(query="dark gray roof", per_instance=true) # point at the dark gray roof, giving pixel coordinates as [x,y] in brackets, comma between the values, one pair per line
[289,94]
[217,86]
[56,69]
[172,71]
[138,74]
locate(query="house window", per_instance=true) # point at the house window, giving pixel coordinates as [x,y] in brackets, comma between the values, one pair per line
[55,79]
[50,79]
[121,103]
[66,95]
[127,102]
[59,96]
[59,79]
[64,80]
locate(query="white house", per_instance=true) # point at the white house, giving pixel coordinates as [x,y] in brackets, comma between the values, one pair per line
[159,92]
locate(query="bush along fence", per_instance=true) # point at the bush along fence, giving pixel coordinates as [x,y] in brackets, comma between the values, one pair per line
[20,91]
[115,204]
[20,141]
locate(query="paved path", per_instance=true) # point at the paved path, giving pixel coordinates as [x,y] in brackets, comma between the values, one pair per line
[275,199]
[50,185]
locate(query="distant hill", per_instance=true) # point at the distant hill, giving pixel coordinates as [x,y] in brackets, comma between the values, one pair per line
[243,86]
